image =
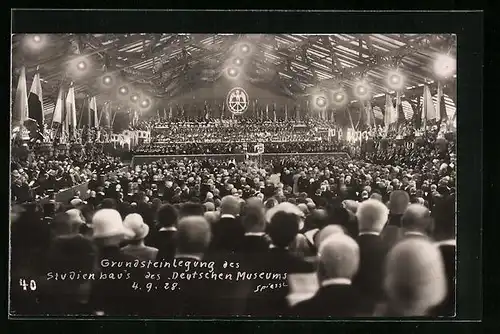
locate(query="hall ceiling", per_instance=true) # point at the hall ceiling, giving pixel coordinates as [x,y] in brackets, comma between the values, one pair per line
[167,65]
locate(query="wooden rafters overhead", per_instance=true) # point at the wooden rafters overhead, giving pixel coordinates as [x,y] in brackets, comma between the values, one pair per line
[168,64]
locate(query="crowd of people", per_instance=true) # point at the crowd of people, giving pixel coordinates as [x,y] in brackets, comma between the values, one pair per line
[307,237]
[37,174]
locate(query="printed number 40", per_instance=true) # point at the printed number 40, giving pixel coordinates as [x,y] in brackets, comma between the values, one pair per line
[24,285]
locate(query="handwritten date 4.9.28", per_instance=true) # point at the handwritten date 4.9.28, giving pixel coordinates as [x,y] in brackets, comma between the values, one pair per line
[148,287]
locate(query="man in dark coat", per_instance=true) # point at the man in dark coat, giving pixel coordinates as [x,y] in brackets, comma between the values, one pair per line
[372,217]
[338,263]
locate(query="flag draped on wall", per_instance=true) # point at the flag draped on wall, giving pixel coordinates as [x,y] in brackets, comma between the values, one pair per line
[35,101]
[20,112]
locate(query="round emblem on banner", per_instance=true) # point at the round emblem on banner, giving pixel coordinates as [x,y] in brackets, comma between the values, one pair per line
[237,101]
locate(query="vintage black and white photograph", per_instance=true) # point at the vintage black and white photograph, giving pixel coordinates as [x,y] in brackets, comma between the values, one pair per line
[189,175]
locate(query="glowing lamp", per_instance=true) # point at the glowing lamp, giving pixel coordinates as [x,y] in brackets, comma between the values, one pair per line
[107,80]
[445,66]
[37,39]
[232,72]
[245,48]
[81,65]
[145,103]
[321,102]
[134,98]
[362,90]
[123,90]
[238,61]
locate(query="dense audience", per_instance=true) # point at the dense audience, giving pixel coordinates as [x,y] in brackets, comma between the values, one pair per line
[36,174]
[373,235]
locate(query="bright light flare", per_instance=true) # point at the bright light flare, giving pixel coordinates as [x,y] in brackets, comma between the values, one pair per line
[35,43]
[81,65]
[238,61]
[123,90]
[245,48]
[107,80]
[134,98]
[445,66]
[339,98]
[233,72]
[321,102]
[145,103]
[362,90]
[395,80]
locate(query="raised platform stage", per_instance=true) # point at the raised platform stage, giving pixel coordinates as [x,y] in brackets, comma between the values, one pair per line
[146,159]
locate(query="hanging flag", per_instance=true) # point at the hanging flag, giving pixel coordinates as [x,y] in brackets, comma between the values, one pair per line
[57,115]
[158,113]
[165,116]
[389,112]
[205,109]
[428,110]
[71,111]
[20,113]
[85,114]
[170,112]
[35,101]
[443,114]
[286,112]
[94,121]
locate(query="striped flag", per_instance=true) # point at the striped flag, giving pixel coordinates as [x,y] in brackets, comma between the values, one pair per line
[35,101]
[20,112]
[407,110]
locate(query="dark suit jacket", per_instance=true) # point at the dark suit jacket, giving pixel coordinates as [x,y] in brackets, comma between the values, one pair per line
[337,300]
[372,252]
[227,236]
[166,243]
[447,307]
[273,302]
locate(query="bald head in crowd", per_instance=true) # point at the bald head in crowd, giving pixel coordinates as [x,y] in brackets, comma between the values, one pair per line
[416,218]
[415,278]
[372,216]
[398,202]
[230,205]
[338,257]
[326,232]
[193,236]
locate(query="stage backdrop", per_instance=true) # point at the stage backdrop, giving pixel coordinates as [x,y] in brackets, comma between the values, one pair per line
[214,94]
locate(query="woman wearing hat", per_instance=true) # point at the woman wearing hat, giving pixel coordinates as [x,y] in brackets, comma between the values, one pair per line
[136,246]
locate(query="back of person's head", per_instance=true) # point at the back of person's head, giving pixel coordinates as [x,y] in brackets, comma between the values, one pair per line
[212,216]
[270,203]
[326,232]
[109,203]
[398,202]
[376,196]
[72,253]
[372,216]
[193,235]
[167,215]
[303,207]
[253,219]
[230,205]
[254,202]
[191,209]
[317,219]
[283,228]
[67,223]
[415,278]
[209,206]
[416,218]
[338,257]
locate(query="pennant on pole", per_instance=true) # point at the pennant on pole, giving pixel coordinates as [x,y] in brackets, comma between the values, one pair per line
[428,110]
[57,115]
[71,111]
[35,101]
[20,113]
[94,120]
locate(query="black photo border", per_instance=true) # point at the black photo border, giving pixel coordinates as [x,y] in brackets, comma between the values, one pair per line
[468,26]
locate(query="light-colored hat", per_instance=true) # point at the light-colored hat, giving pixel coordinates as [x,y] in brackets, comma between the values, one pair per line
[108,223]
[135,223]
